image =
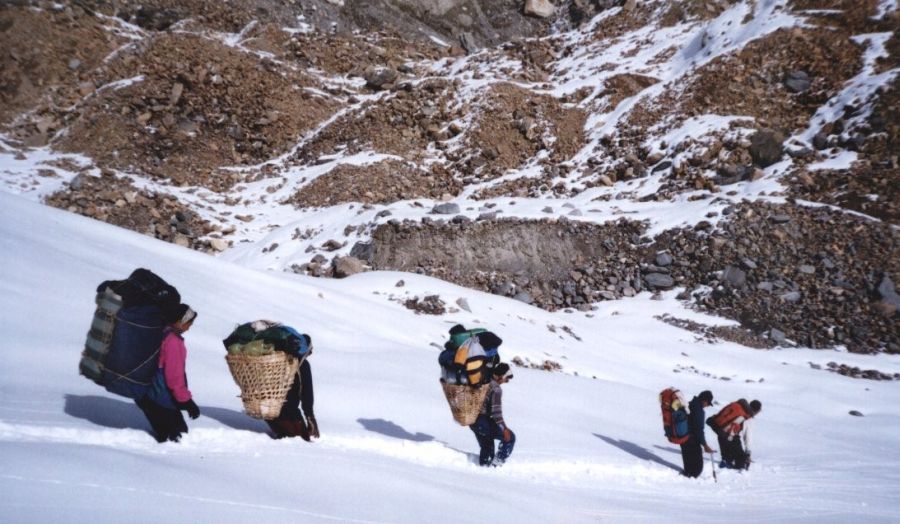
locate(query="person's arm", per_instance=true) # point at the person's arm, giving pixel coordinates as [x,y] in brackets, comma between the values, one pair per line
[497,407]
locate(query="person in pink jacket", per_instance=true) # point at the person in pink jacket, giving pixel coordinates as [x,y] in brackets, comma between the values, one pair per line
[169,393]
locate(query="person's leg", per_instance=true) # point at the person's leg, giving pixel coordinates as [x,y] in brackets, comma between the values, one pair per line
[692,456]
[151,411]
[174,424]
[740,457]
[725,448]
[481,429]
[278,427]
[288,427]
[290,410]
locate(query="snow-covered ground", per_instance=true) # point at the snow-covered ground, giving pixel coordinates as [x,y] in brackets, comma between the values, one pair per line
[589,443]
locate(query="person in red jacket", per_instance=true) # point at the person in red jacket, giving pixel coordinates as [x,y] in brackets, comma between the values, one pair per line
[732,426]
[169,393]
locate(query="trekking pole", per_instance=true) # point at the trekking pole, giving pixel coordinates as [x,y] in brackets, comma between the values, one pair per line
[712,462]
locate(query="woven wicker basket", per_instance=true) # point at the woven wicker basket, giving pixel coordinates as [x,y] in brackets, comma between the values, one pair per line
[264,381]
[465,401]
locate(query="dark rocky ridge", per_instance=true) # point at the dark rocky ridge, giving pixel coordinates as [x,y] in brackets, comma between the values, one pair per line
[813,276]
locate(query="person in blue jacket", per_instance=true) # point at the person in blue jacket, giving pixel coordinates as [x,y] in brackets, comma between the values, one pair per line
[692,450]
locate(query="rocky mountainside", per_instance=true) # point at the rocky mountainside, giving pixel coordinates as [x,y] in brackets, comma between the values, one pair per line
[560,153]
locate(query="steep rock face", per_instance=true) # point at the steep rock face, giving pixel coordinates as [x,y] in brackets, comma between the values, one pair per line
[817,276]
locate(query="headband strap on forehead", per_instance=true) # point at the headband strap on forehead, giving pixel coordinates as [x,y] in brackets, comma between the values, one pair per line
[188,316]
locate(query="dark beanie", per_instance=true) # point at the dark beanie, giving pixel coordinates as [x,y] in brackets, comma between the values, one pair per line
[501,369]
[706,396]
[181,313]
[457,329]
[489,340]
[756,406]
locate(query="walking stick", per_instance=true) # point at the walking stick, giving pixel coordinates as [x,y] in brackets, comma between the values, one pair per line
[712,462]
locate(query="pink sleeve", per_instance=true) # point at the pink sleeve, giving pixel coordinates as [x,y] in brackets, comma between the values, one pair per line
[171,358]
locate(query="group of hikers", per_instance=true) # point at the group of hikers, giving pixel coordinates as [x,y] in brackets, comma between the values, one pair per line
[685,424]
[163,410]
[469,362]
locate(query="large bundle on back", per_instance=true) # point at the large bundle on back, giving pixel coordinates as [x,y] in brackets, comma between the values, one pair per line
[263,358]
[466,364]
[122,347]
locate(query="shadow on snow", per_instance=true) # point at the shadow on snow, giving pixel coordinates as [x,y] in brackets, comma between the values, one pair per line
[637,451]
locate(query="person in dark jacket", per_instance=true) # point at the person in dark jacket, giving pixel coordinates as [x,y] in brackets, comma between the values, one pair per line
[691,452]
[490,426]
[169,393]
[298,405]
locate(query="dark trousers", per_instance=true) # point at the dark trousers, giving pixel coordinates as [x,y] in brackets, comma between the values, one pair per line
[290,422]
[733,454]
[167,424]
[486,432]
[692,456]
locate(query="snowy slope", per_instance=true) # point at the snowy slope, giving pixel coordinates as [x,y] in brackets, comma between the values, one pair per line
[588,449]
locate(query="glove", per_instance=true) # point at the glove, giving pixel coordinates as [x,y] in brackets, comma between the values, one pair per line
[507,434]
[191,407]
[708,449]
[313,426]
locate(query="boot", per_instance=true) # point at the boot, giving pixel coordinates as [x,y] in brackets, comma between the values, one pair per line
[313,426]
[300,429]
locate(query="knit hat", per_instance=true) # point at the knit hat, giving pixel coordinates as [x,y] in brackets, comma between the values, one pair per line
[501,370]
[706,396]
[457,329]
[756,406]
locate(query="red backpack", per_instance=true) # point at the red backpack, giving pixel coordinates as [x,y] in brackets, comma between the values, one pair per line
[724,418]
[675,416]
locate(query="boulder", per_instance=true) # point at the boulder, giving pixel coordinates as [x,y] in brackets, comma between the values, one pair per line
[379,77]
[447,208]
[218,244]
[797,81]
[539,8]
[524,296]
[659,281]
[346,266]
[778,336]
[734,276]
[887,292]
[766,147]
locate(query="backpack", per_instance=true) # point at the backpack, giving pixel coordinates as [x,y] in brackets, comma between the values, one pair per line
[133,356]
[266,333]
[99,337]
[721,420]
[458,339]
[471,358]
[675,416]
[144,288]
[122,346]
